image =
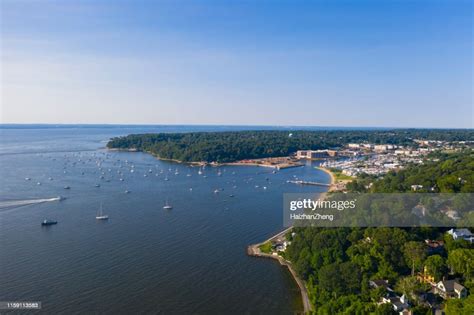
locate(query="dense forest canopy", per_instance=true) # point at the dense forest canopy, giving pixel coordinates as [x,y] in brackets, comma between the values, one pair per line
[337,263]
[238,145]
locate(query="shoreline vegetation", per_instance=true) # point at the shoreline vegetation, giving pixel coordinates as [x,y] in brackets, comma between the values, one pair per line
[281,162]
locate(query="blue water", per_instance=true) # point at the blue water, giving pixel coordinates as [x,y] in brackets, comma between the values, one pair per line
[144,259]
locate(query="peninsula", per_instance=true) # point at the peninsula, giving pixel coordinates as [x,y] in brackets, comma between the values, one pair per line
[227,147]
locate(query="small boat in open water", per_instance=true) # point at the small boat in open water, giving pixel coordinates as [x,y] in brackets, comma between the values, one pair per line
[167,206]
[100,214]
[48,222]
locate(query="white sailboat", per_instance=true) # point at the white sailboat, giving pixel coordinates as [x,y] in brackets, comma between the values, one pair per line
[167,206]
[100,214]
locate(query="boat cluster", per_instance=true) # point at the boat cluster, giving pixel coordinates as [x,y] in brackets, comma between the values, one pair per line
[108,167]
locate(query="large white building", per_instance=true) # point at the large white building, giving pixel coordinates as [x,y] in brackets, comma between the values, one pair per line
[315,154]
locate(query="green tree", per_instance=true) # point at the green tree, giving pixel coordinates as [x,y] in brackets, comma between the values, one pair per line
[461,261]
[385,309]
[435,266]
[414,253]
[460,306]
[411,287]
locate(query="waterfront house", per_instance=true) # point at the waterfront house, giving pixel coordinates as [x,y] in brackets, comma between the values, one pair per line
[450,289]
[280,247]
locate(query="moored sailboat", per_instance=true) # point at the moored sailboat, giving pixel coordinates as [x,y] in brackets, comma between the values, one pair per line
[100,214]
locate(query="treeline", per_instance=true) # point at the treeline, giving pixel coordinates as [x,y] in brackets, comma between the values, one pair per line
[440,173]
[337,263]
[239,145]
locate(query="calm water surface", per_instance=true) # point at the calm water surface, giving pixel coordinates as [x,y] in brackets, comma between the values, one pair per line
[144,259]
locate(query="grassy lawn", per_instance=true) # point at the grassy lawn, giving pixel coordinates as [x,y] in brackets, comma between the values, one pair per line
[339,176]
[266,247]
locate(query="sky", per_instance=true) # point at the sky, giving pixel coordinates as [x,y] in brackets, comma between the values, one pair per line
[383,63]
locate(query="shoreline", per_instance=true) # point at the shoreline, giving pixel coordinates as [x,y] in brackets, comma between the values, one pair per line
[331,175]
[214,164]
[254,250]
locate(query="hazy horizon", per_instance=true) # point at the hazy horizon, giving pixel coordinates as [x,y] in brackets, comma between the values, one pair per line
[267,126]
[383,64]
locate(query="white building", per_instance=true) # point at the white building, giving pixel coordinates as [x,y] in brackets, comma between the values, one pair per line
[464,234]
[399,303]
[416,187]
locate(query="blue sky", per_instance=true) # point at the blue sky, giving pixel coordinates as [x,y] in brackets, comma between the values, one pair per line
[326,63]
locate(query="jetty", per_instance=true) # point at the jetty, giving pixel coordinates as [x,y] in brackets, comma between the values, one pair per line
[254,250]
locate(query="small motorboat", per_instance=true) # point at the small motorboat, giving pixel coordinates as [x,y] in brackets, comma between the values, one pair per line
[49,222]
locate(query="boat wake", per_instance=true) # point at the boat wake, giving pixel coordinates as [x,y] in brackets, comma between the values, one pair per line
[9,204]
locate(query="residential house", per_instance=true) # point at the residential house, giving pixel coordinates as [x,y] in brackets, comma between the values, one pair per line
[399,303]
[450,289]
[464,234]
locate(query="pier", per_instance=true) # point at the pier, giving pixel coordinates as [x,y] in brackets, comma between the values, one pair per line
[302,182]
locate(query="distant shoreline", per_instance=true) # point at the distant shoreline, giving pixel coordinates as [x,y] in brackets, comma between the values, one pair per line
[11,125]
